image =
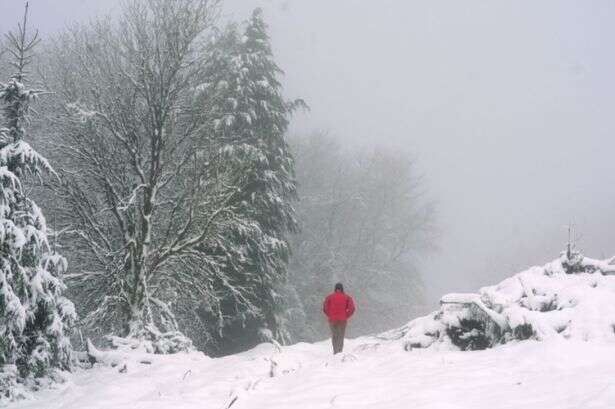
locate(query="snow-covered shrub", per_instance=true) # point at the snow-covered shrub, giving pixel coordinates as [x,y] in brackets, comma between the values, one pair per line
[118,351]
[523,331]
[9,388]
[170,342]
[469,335]
[152,341]
[469,324]
[572,262]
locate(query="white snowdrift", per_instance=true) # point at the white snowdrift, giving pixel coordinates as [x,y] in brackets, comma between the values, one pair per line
[571,298]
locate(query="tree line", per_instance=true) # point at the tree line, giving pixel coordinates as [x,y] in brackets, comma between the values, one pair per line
[178,211]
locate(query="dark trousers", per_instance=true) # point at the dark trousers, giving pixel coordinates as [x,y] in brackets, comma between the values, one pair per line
[338,330]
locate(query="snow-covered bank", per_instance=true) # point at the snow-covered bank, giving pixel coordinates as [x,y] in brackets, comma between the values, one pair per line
[572,297]
[555,374]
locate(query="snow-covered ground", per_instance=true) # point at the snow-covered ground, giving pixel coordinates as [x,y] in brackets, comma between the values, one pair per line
[557,374]
[563,311]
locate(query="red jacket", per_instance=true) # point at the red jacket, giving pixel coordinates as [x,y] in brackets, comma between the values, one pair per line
[338,306]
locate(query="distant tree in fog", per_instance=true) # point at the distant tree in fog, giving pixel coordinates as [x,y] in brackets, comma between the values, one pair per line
[364,221]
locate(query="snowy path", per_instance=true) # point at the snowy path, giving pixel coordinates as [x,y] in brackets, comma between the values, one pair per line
[550,375]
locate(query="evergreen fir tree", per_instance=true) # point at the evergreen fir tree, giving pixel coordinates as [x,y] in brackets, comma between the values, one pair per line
[35,318]
[251,119]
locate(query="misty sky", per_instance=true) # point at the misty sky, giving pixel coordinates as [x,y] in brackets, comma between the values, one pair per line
[506,106]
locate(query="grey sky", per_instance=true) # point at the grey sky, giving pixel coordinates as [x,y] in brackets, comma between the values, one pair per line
[507,106]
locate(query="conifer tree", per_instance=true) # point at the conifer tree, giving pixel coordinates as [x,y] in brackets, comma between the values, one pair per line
[251,118]
[35,318]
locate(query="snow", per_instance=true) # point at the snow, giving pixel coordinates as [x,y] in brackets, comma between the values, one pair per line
[557,374]
[567,362]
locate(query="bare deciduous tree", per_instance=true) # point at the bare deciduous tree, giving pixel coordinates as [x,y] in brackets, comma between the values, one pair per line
[146,194]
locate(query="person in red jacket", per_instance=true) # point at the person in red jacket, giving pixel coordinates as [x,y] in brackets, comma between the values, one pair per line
[338,307]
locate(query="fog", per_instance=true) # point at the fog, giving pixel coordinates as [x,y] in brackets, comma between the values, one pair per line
[506,107]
